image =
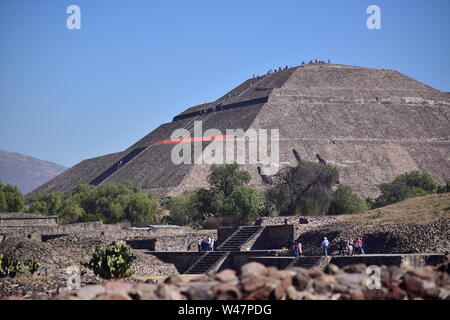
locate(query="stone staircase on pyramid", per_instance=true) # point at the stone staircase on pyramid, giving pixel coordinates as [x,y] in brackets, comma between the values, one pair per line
[116,166]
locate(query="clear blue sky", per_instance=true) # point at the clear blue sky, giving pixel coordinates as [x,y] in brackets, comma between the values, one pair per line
[67,95]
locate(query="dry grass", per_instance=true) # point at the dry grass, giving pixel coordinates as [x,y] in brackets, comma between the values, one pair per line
[420,210]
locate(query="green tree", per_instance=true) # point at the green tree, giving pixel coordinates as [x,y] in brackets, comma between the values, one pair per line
[3,205]
[305,189]
[345,201]
[111,208]
[85,195]
[244,202]
[419,180]
[110,203]
[184,209]
[209,201]
[405,186]
[227,177]
[229,197]
[15,201]
[70,212]
[140,210]
[49,204]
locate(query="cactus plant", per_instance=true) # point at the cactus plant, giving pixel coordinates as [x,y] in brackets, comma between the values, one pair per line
[112,261]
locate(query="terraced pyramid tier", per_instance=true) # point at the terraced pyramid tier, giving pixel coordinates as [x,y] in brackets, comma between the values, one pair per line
[372,124]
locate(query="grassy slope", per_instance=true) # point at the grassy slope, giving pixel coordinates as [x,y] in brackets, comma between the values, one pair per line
[420,210]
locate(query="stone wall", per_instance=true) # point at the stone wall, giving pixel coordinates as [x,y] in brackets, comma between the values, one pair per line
[236,259]
[383,239]
[414,260]
[160,239]
[187,242]
[275,237]
[296,220]
[181,260]
[21,219]
[272,237]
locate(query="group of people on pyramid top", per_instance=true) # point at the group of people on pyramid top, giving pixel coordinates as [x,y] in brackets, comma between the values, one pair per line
[273,71]
[316,62]
[302,64]
[277,70]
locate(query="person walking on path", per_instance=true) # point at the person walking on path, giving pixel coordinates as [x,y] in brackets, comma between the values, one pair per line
[199,244]
[295,249]
[350,245]
[359,244]
[209,244]
[299,248]
[325,244]
[205,245]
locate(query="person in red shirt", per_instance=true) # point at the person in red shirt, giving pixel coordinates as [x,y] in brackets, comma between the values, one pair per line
[359,245]
[299,248]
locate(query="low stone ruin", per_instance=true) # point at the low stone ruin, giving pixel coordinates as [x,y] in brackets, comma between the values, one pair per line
[256,282]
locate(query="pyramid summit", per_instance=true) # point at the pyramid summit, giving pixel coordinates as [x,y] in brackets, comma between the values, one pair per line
[371,124]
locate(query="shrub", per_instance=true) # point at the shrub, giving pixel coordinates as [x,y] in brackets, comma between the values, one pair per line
[419,180]
[266,209]
[445,188]
[112,261]
[345,202]
[405,186]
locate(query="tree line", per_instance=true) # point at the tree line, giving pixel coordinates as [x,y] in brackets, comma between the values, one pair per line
[309,188]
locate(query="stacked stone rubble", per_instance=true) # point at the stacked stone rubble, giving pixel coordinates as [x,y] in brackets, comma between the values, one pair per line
[256,282]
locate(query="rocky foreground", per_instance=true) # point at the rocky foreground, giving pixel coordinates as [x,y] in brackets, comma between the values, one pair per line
[256,282]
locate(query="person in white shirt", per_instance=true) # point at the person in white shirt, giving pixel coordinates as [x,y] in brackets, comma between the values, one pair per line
[209,244]
[325,245]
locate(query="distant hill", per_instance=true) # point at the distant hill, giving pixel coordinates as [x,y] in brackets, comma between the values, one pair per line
[27,173]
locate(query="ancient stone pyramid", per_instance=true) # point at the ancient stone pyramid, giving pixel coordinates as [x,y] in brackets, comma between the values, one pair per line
[372,124]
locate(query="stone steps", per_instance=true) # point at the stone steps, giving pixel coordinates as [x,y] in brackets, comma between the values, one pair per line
[207,262]
[239,238]
[116,166]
